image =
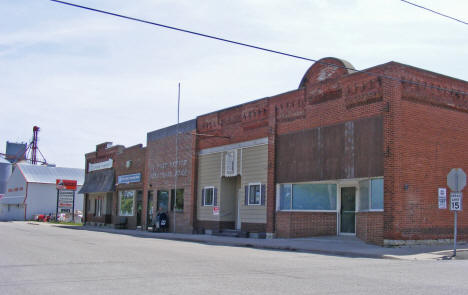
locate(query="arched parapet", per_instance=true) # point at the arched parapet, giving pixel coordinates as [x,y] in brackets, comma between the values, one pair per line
[326,68]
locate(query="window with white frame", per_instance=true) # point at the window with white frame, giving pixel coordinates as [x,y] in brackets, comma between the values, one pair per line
[208,196]
[371,194]
[126,203]
[308,197]
[255,194]
[230,163]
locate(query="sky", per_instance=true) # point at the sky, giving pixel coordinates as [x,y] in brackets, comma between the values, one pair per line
[86,78]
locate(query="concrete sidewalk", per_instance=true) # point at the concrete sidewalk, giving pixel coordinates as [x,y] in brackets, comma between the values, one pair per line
[329,245]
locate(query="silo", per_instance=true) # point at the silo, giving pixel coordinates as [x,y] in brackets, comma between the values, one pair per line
[5,172]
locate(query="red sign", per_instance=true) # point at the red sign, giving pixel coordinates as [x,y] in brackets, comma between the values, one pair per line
[66,184]
[216,210]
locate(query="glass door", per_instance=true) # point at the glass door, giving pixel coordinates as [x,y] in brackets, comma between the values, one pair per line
[348,210]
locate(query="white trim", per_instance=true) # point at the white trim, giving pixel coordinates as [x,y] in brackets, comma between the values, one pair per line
[240,164]
[248,194]
[224,148]
[233,162]
[204,199]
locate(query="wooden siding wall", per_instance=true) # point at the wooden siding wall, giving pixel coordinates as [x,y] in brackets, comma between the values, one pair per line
[348,150]
[254,170]
[209,174]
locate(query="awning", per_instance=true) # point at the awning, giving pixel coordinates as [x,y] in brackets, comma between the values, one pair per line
[13,200]
[100,181]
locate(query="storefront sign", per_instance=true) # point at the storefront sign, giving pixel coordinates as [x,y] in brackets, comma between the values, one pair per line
[66,184]
[442,198]
[129,178]
[99,166]
[168,169]
[65,201]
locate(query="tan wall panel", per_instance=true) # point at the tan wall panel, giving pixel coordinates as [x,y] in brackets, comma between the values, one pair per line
[209,170]
[254,170]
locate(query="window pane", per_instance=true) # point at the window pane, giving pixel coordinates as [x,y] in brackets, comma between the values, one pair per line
[377,193]
[314,197]
[162,201]
[285,197]
[209,196]
[364,195]
[254,194]
[126,203]
[180,200]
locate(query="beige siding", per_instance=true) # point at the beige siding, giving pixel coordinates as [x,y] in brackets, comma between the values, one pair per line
[254,170]
[209,169]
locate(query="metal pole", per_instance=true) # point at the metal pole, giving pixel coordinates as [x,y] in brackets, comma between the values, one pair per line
[455,235]
[73,208]
[177,159]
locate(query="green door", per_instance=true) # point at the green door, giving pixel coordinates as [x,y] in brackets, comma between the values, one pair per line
[348,210]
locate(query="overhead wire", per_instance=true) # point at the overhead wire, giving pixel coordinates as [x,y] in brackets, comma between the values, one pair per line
[257,47]
[434,11]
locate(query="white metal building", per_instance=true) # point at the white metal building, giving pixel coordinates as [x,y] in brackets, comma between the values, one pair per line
[31,190]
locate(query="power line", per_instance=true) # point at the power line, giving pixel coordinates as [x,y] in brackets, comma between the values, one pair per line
[436,12]
[255,47]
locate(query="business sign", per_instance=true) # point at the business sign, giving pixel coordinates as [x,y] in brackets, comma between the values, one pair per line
[216,210]
[66,184]
[442,198]
[129,178]
[66,199]
[99,166]
[456,201]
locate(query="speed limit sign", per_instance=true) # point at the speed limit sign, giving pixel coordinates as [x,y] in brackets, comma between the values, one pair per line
[456,201]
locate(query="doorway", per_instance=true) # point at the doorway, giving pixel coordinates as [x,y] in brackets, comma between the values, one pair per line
[139,206]
[348,210]
[150,210]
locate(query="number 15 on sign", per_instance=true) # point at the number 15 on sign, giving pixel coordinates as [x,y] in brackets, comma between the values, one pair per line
[456,201]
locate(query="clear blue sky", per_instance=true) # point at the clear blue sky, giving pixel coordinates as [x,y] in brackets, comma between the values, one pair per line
[87,78]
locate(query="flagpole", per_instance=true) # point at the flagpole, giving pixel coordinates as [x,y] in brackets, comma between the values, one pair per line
[177,159]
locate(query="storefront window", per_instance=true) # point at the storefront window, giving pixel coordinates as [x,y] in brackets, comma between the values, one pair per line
[311,196]
[126,201]
[179,200]
[285,196]
[371,194]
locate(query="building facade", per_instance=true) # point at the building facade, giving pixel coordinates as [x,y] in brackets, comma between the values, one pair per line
[129,168]
[170,177]
[347,153]
[99,186]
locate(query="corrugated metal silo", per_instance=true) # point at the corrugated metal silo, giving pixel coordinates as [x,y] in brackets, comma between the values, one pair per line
[5,172]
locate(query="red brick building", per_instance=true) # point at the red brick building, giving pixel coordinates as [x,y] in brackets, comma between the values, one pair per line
[127,203]
[346,153]
[99,185]
[164,170]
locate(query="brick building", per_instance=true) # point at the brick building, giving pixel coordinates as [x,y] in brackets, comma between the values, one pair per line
[99,185]
[160,177]
[346,153]
[129,165]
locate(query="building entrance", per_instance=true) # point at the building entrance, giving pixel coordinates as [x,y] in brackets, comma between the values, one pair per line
[348,210]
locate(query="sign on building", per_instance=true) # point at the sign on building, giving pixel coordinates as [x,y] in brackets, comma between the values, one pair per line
[129,178]
[442,198]
[99,166]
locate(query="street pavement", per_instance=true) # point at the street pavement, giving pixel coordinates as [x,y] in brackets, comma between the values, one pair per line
[48,259]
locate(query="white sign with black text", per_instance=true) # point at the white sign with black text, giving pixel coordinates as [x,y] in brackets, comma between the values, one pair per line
[456,201]
[442,198]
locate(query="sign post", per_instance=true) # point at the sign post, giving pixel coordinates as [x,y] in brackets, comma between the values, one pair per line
[66,197]
[456,180]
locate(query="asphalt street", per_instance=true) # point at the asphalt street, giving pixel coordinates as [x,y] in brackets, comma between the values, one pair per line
[46,259]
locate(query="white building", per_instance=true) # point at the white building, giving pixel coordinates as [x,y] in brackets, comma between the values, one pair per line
[31,190]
